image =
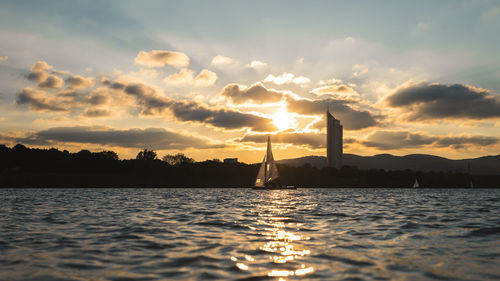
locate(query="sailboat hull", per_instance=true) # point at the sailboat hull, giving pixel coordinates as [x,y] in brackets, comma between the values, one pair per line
[273,187]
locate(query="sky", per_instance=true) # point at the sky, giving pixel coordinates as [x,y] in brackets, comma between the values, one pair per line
[212,79]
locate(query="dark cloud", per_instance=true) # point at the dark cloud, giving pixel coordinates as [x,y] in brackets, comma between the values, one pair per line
[256,94]
[51,82]
[35,76]
[462,141]
[117,86]
[387,140]
[152,138]
[40,100]
[79,82]
[96,112]
[221,118]
[99,98]
[311,140]
[39,73]
[432,101]
[152,103]
[351,119]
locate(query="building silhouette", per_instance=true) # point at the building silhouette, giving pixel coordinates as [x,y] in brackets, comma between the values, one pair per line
[333,141]
[231,160]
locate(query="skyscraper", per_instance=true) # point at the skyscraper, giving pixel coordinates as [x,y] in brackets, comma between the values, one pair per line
[333,141]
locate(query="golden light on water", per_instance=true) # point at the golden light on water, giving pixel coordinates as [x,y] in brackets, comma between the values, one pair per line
[282,246]
[242,266]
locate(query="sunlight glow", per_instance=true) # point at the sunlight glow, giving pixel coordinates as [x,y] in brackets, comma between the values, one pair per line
[283,120]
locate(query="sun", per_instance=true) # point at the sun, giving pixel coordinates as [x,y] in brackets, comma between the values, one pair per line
[283,120]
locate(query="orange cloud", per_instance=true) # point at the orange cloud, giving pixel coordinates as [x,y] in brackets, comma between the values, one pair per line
[186,76]
[80,82]
[159,58]
[220,59]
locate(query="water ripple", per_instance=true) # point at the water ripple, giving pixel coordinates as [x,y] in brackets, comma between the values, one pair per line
[241,234]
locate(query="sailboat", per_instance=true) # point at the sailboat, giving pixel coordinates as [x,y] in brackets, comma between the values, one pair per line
[415,185]
[471,185]
[268,172]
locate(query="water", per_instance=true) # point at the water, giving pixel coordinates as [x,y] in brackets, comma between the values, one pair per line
[241,234]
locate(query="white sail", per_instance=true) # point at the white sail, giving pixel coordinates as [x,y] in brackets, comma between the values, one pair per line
[272,168]
[415,185]
[261,176]
[268,170]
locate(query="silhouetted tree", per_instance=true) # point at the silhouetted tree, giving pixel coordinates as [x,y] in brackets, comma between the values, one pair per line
[84,154]
[107,155]
[21,166]
[19,147]
[177,159]
[147,155]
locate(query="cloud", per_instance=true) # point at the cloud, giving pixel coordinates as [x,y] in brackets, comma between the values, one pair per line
[96,112]
[99,99]
[221,118]
[220,59]
[69,100]
[4,58]
[39,73]
[206,78]
[286,78]
[40,66]
[339,91]
[159,58]
[331,81]
[435,101]
[80,82]
[186,76]
[40,100]
[309,140]
[152,138]
[256,94]
[51,82]
[359,69]
[183,76]
[351,118]
[389,140]
[256,64]
[152,102]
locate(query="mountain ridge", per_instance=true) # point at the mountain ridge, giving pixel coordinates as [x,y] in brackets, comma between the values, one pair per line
[417,162]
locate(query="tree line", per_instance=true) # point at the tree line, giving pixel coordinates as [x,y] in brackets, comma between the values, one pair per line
[21,166]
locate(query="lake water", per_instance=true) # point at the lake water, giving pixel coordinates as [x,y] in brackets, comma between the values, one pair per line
[242,234]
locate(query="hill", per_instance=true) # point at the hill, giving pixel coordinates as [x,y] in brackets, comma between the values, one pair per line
[416,162]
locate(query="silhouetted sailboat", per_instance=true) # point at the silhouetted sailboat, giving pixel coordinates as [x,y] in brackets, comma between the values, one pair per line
[415,184]
[471,185]
[268,172]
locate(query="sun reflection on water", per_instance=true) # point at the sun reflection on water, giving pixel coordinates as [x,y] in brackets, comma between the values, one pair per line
[282,252]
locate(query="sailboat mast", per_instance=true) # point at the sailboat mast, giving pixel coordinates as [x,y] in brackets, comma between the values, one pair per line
[267,159]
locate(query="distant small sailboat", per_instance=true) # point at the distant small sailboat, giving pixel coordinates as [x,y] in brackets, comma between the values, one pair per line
[471,185]
[268,172]
[415,184]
